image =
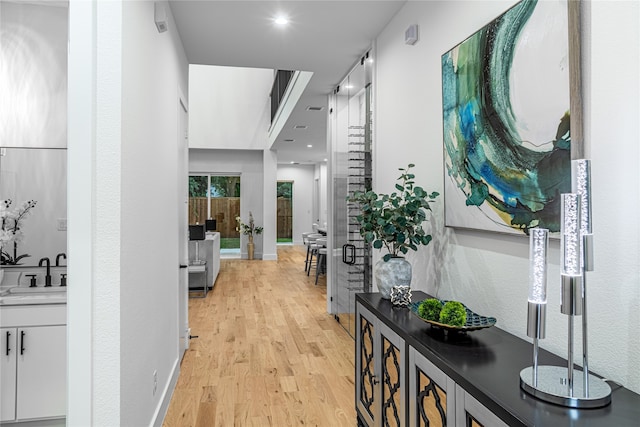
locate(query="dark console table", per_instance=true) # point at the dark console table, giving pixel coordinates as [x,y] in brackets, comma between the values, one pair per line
[399,359]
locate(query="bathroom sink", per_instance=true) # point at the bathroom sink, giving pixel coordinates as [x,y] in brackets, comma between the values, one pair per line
[40,295]
[37,290]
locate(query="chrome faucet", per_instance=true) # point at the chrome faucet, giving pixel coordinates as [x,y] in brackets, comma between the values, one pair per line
[63,256]
[47,278]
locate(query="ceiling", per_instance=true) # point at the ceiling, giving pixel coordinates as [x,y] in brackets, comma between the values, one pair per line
[325,37]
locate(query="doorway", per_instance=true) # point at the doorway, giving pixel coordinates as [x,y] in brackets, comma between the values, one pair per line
[183,251]
[284,205]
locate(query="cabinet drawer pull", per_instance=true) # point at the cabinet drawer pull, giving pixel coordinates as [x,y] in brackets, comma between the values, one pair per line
[22,334]
[8,348]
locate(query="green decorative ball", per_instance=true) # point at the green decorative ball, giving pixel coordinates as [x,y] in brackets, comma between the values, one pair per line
[453,313]
[430,309]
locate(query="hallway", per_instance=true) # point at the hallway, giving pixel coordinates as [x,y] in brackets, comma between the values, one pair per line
[268,354]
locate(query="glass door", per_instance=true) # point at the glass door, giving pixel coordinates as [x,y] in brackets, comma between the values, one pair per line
[351,171]
[224,193]
[284,205]
[217,198]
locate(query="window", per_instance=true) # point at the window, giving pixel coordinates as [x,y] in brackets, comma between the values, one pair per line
[216,197]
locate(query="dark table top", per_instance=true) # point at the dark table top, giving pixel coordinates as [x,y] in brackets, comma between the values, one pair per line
[487,364]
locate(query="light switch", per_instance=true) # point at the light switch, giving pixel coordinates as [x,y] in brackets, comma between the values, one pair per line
[62,224]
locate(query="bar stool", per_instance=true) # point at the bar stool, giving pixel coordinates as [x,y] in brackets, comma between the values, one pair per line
[311,240]
[305,241]
[321,262]
[319,242]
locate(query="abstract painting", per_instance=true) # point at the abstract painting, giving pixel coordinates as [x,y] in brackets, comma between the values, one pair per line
[507,145]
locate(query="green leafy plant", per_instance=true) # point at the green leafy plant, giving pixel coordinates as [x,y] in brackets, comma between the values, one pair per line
[250,228]
[453,313]
[430,309]
[395,220]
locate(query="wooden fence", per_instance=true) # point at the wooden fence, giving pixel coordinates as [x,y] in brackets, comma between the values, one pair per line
[285,214]
[225,210]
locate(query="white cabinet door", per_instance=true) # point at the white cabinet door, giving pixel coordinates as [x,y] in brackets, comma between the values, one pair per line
[8,374]
[42,372]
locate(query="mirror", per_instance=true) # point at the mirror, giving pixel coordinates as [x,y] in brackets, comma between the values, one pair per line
[33,55]
[41,175]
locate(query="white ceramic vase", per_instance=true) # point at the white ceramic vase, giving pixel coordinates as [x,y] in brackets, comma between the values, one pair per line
[395,272]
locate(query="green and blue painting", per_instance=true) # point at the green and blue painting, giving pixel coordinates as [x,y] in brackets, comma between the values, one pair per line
[507,142]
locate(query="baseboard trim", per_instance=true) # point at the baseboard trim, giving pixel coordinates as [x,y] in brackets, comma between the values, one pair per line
[167,394]
[270,257]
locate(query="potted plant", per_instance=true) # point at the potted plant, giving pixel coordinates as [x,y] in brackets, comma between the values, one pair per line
[394,221]
[11,230]
[248,230]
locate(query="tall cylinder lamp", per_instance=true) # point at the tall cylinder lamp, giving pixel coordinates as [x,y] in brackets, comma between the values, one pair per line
[554,383]
[537,300]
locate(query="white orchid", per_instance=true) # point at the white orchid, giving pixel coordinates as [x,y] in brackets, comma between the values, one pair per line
[11,231]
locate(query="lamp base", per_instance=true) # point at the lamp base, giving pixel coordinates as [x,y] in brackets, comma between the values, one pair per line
[552,386]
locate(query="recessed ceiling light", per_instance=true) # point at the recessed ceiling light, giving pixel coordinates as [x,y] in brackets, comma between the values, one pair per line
[324,160]
[300,126]
[281,20]
[310,108]
[309,145]
[289,140]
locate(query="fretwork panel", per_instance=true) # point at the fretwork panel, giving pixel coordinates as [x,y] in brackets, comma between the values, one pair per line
[431,402]
[391,399]
[367,376]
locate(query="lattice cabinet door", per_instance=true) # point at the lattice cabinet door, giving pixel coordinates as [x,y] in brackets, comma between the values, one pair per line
[471,413]
[367,376]
[380,372]
[393,387]
[432,394]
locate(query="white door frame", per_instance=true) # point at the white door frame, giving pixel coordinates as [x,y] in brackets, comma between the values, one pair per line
[183,218]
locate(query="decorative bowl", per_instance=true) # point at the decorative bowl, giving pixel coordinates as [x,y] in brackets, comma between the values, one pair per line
[474,320]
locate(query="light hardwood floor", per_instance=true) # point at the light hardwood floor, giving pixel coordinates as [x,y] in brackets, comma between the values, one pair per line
[268,354]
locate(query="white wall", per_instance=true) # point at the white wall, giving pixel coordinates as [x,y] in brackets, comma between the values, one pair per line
[123,316]
[247,163]
[269,207]
[320,207]
[154,78]
[322,175]
[303,182]
[489,271]
[230,107]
